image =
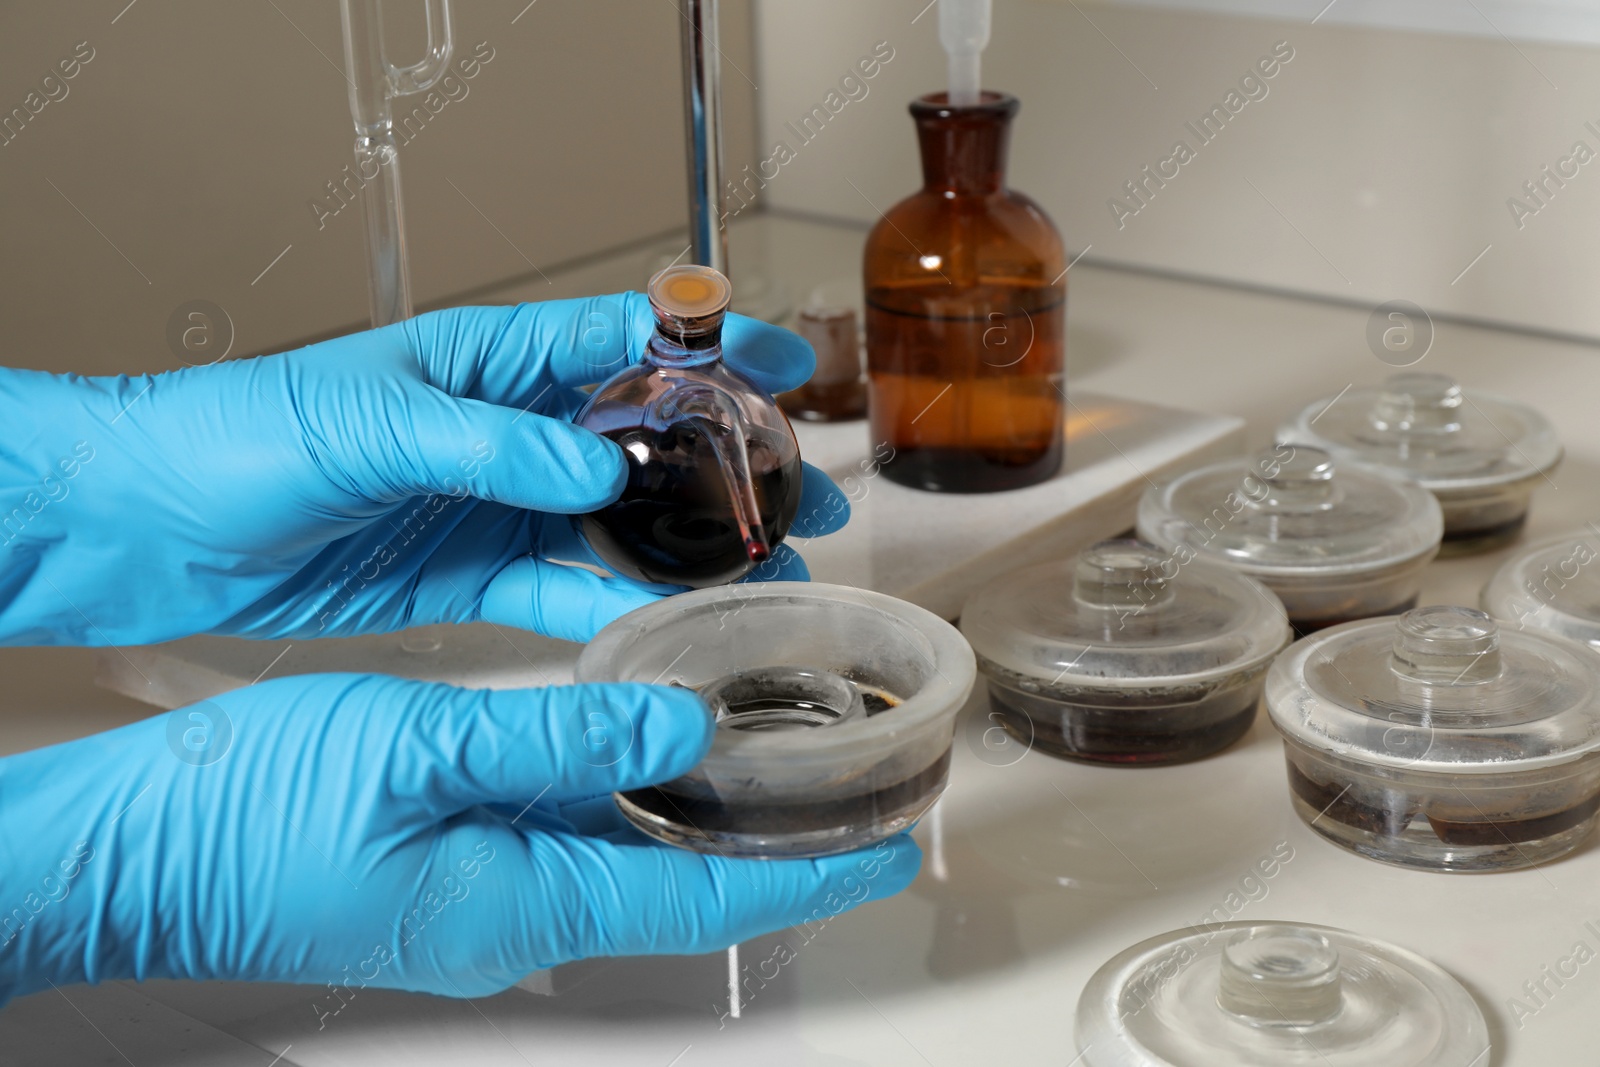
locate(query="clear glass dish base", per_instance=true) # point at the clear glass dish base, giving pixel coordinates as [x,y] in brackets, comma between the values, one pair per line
[1480,823]
[1476,542]
[1474,524]
[801,842]
[1127,736]
[1418,846]
[1308,624]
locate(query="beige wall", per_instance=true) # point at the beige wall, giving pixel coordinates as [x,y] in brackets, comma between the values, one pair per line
[1377,167]
[194,139]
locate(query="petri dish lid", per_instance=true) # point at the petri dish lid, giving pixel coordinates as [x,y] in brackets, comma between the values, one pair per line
[1125,614]
[1242,994]
[1443,689]
[1552,586]
[1425,427]
[1293,510]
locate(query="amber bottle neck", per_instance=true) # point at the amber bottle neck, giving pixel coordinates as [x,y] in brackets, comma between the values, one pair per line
[964,148]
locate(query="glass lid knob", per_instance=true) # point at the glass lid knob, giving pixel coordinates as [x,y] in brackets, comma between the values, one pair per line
[1305,479]
[1279,976]
[1418,403]
[1118,575]
[1446,646]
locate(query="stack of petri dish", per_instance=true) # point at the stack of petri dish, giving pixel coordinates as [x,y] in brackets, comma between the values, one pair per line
[835,710]
[1333,544]
[1482,455]
[1439,740]
[1124,654]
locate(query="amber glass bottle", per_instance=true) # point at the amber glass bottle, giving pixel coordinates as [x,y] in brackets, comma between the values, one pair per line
[966,314]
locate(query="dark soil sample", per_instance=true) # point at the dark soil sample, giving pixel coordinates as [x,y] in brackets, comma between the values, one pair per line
[1512,831]
[1458,542]
[876,701]
[1335,802]
[711,816]
[1128,730]
[1303,627]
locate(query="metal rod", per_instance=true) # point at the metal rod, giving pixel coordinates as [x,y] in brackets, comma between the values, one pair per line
[702,110]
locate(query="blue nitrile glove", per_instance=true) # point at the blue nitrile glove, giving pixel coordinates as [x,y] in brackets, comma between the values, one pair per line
[415,474]
[354,830]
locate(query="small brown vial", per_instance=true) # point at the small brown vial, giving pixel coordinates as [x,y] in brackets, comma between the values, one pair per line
[966,314]
[836,391]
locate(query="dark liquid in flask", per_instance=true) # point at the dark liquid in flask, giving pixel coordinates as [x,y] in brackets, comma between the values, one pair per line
[674,523]
[967,388]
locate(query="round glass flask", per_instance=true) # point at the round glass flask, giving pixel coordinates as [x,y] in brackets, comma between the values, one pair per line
[713,466]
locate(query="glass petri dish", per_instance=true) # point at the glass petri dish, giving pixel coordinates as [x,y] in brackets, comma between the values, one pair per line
[1333,544]
[835,709]
[1244,994]
[1440,740]
[1551,586]
[1125,654]
[1480,454]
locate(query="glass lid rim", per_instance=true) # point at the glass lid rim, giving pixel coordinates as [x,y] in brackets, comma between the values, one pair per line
[1503,585]
[950,684]
[1263,608]
[1537,424]
[1157,502]
[1134,683]
[1286,683]
[1104,986]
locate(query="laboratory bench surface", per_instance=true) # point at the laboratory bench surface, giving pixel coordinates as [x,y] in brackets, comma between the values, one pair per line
[1037,871]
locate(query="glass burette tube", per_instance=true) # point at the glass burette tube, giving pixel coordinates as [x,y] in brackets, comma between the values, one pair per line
[374,84]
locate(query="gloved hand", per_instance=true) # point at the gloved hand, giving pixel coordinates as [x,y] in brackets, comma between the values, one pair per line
[361,830]
[414,474]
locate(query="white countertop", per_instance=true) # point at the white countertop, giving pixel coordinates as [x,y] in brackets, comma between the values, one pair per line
[1041,870]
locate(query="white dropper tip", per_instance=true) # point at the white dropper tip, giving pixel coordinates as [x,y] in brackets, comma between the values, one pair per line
[964,32]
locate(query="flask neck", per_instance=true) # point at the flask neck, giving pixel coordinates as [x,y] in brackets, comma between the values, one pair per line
[689,303]
[668,351]
[964,148]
